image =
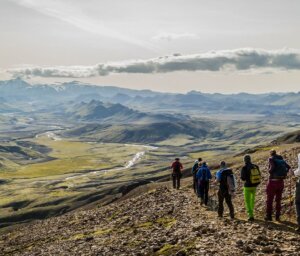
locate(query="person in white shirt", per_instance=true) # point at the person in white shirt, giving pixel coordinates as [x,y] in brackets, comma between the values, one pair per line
[297,196]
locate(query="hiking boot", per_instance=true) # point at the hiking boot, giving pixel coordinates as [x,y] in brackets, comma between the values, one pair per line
[277,218]
[268,218]
[220,216]
[251,219]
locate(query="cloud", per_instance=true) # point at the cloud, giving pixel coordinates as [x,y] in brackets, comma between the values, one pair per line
[214,61]
[173,36]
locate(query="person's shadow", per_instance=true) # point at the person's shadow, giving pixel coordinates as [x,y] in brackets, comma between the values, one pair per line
[286,226]
[212,204]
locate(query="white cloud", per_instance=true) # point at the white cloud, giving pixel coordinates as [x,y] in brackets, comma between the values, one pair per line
[174,36]
[235,60]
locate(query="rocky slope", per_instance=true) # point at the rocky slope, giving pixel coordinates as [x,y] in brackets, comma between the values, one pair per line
[158,220]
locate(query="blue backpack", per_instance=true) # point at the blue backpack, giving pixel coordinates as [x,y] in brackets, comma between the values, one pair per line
[204,175]
[281,169]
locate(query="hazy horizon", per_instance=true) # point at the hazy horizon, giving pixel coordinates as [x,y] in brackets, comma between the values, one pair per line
[55,83]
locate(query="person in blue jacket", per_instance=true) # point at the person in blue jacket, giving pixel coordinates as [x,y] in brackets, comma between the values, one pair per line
[195,168]
[203,177]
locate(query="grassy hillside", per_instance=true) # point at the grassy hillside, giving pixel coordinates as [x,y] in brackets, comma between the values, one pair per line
[292,137]
[141,133]
[71,174]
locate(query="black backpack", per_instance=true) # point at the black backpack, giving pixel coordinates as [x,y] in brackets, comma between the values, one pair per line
[195,168]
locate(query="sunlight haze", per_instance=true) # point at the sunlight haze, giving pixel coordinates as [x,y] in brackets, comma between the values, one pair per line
[64,35]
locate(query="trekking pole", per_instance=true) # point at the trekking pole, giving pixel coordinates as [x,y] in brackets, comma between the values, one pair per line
[291,202]
[294,154]
[214,198]
[290,190]
[266,180]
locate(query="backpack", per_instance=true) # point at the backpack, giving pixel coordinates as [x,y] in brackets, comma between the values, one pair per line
[204,174]
[195,168]
[228,181]
[255,175]
[281,170]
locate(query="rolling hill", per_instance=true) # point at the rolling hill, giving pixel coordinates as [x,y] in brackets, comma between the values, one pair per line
[139,132]
[97,110]
[292,137]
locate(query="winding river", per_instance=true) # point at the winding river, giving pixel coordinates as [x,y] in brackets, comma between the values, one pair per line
[129,164]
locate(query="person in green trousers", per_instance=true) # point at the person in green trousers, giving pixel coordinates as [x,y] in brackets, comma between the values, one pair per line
[251,175]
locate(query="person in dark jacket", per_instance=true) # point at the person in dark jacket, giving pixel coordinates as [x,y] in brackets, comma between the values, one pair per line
[194,172]
[250,174]
[278,170]
[203,177]
[297,194]
[225,191]
[176,173]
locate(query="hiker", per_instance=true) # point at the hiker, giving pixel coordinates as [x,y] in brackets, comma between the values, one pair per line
[278,170]
[203,176]
[297,196]
[194,172]
[251,175]
[176,173]
[226,181]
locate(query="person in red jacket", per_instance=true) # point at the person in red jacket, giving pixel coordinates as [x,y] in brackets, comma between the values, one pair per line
[278,170]
[176,173]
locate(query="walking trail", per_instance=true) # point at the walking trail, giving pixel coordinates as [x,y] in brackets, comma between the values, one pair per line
[161,221]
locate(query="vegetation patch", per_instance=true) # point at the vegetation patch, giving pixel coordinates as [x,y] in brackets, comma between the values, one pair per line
[166,222]
[167,249]
[146,224]
[99,232]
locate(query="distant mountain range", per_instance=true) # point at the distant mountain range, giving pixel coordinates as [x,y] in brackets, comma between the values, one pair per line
[17,91]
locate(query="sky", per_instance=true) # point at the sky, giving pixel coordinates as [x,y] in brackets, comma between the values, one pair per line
[164,45]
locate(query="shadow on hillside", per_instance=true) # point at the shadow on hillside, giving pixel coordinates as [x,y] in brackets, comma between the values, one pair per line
[285,226]
[212,204]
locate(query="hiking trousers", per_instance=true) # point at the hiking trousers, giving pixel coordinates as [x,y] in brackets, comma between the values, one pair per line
[221,196]
[297,201]
[176,180]
[195,183]
[203,188]
[274,190]
[249,196]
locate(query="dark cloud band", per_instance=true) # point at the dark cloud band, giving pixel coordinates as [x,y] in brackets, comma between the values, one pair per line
[238,60]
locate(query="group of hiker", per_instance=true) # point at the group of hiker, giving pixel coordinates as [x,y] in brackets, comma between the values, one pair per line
[250,174]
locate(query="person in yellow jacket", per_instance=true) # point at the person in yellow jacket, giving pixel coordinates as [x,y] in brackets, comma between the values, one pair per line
[250,174]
